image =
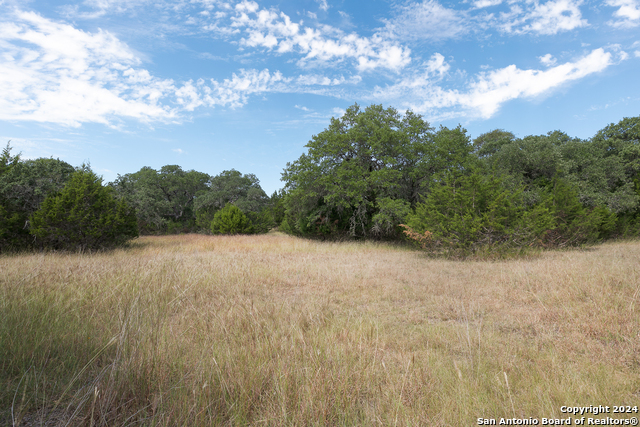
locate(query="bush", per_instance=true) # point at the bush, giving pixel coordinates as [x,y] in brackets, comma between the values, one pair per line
[13,233]
[23,187]
[475,214]
[231,220]
[561,220]
[464,213]
[83,216]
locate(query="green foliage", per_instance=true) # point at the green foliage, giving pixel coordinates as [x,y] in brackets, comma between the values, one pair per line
[532,159]
[623,140]
[598,177]
[140,191]
[23,187]
[83,216]
[472,213]
[163,200]
[10,230]
[276,209]
[231,220]
[490,143]
[179,189]
[172,200]
[26,184]
[230,186]
[465,212]
[596,168]
[390,214]
[7,160]
[361,173]
[269,217]
[561,220]
[367,173]
[13,232]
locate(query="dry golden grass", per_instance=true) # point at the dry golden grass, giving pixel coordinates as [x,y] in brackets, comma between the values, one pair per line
[274,330]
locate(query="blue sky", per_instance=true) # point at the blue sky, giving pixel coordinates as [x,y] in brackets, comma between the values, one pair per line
[213,85]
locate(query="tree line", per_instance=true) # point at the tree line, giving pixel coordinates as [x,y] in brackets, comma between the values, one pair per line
[373,173]
[49,204]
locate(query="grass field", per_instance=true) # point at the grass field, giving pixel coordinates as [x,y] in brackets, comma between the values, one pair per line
[275,330]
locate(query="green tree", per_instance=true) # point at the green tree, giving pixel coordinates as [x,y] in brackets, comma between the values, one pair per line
[23,187]
[601,169]
[7,161]
[491,142]
[468,211]
[533,159]
[9,219]
[230,186]
[164,199]
[26,184]
[84,216]
[231,220]
[599,178]
[179,189]
[623,140]
[362,173]
[620,143]
[270,216]
[560,219]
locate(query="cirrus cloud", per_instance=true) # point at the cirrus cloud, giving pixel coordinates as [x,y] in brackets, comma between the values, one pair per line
[53,72]
[488,91]
[324,46]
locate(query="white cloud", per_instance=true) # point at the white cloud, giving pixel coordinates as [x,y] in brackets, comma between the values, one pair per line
[178,150]
[553,17]
[321,80]
[338,112]
[302,108]
[547,60]
[492,89]
[548,18]
[479,4]
[234,92]
[98,8]
[428,20]
[322,46]
[323,4]
[628,13]
[189,96]
[52,72]
[247,6]
[488,91]
[436,64]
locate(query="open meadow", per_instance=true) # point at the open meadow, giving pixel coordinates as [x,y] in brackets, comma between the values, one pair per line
[280,331]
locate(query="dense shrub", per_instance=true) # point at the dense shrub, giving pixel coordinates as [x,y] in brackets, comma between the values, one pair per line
[465,212]
[231,220]
[23,187]
[561,220]
[83,216]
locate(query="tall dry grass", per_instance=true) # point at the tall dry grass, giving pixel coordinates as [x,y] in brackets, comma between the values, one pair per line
[274,330]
